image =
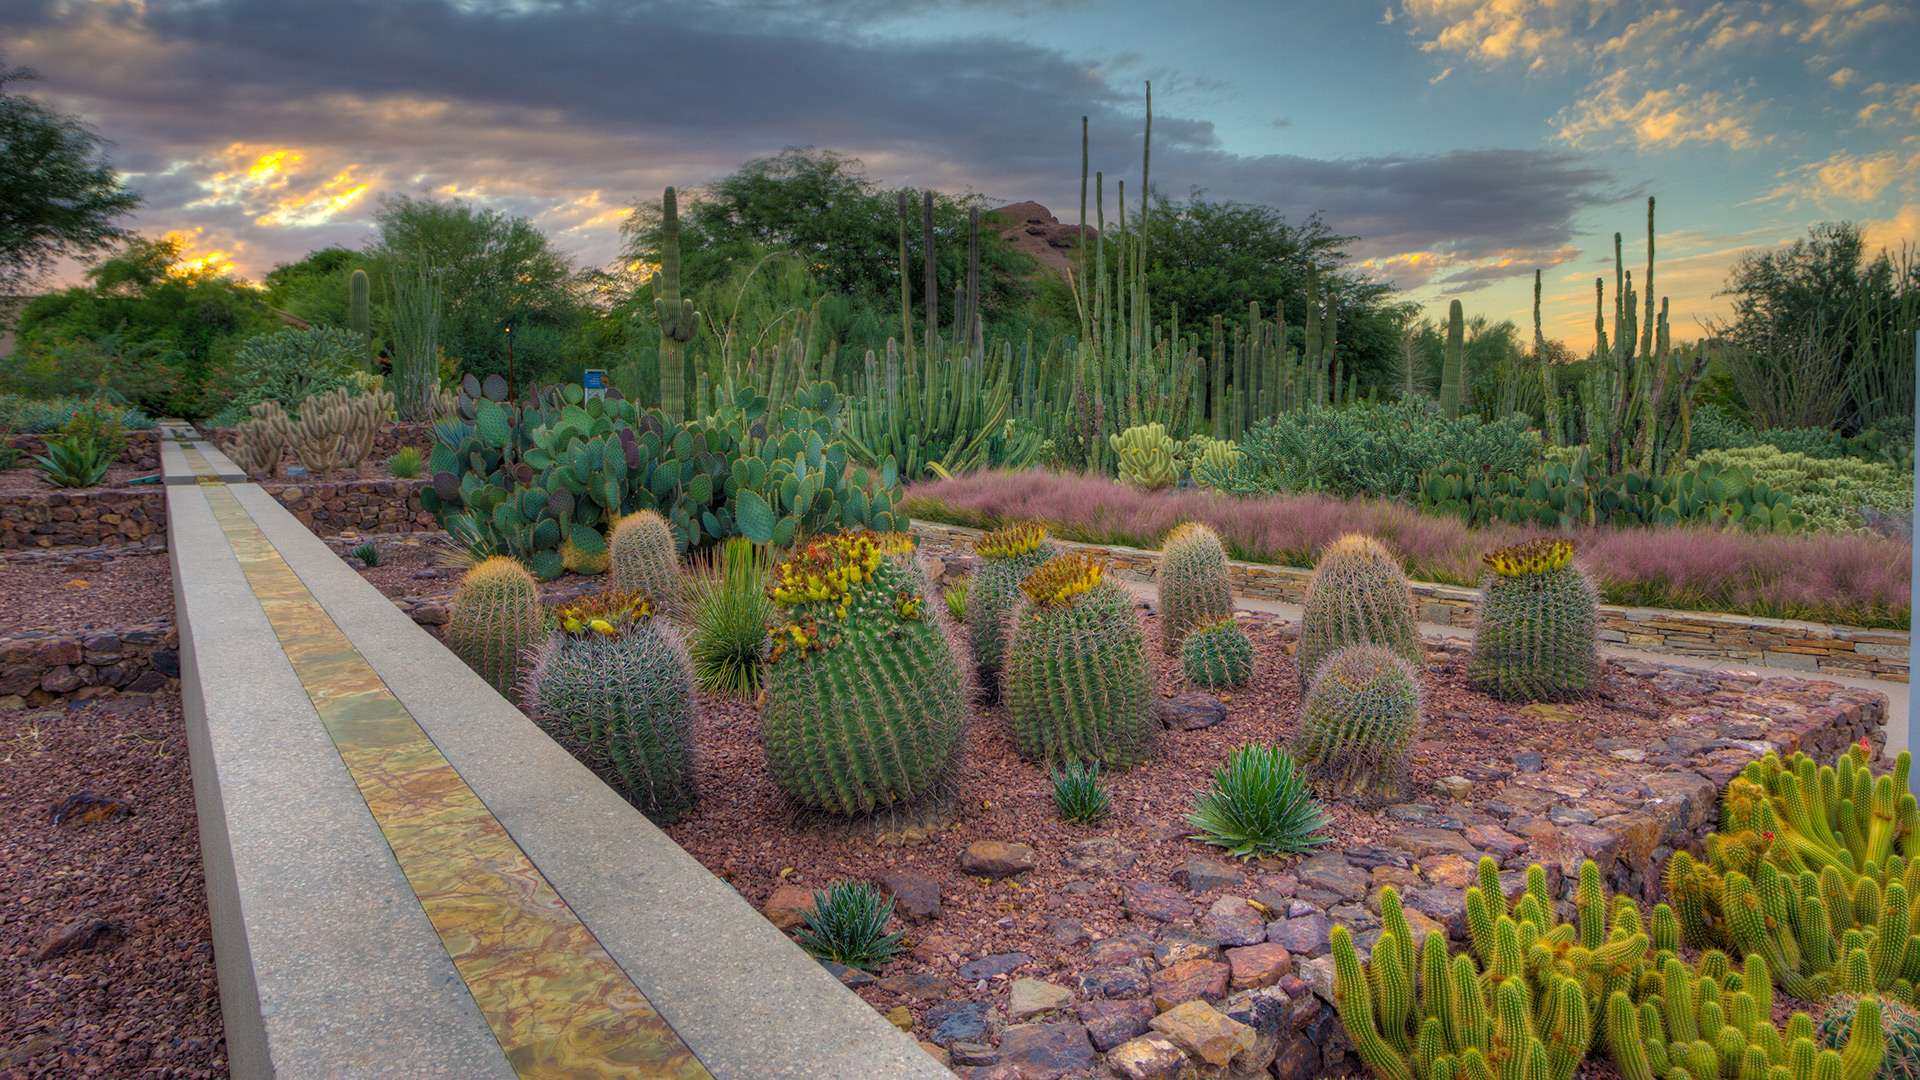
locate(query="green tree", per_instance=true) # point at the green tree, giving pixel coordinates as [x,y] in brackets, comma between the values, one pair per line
[58,195]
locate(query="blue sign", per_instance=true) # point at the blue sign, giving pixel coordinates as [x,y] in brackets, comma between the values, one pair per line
[594,382]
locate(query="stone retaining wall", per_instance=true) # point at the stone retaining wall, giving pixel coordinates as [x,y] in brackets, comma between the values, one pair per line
[108,518]
[331,508]
[40,667]
[1781,643]
[142,452]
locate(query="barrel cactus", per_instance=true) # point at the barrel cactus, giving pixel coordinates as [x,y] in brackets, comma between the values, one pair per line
[1898,1023]
[1007,556]
[1193,583]
[643,558]
[1358,595]
[614,687]
[1537,632]
[495,619]
[1078,686]
[1357,723]
[865,704]
[1217,655]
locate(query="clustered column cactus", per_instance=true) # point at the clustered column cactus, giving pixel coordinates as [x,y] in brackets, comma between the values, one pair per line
[1192,581]
[865,705]
[678,319]
[614,687]
[1148,457]
[263,439]
[1007,556]
[644,558]
[1217,655]
[1357,723]
[1078,686]
[494,620]
[1358,595]
[335,430]
[1537,633]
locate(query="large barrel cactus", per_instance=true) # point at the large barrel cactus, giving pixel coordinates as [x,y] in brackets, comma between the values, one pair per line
[1007,556]
[1358,720]
[1358,595]
[1193,583]
[865,704]
[1217,656]
[614,687]
[1538,628]
[643,558]
[495,619]
[1078,686]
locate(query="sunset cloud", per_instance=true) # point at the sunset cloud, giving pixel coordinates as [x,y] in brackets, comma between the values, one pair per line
[1617,110]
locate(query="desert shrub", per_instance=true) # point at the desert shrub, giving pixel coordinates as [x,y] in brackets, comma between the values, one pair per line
[289,366]
[1379,450]
[406,463]
[1536,636]
[1259,804]
[1077,682]
[1829,492]
[1813,442]
[1078,794]
[1357,723]
[31,416]
[728,610]
[1714,428]
[848,925]
[1217,656]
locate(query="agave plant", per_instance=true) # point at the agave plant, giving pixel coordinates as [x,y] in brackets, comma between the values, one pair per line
[848,925]
[75,462]
[1259,804]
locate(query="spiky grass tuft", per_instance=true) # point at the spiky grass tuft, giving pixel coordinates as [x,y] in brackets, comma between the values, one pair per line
[848,925]
[1259,804]
[1078,794]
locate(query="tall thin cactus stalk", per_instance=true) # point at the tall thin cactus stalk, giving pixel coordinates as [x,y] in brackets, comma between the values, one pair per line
[416,308]
[678,319]
[360,311]
[1550,394]
[1452,362]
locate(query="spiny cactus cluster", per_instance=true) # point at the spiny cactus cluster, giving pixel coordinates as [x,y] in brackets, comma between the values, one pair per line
[1148,457]
[1077,683]
[643,558]
[1192,580]
[335,430]
[262,439]
[494,620]
[1899,1026]
[1357,723]
[615,689]
[1007,556]
[865,705]
[1358,595]
[1538,626]
[1217,656]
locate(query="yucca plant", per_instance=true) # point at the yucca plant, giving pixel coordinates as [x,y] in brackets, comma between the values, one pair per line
[75,462]
[405,463]
[727,614]
[1078,794]
[848,925]
[368,553]
[1259,804]
[956,597]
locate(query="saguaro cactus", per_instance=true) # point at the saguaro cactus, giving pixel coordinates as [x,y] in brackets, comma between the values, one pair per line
[678,320]
[1453,362]
[360,311]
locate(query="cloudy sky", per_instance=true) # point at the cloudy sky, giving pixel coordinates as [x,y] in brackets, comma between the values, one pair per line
[1464,143]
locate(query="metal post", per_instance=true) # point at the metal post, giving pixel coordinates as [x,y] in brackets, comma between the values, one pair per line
[1913,610]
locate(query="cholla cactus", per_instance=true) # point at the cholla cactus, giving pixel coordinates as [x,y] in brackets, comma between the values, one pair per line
[1537,636]
[1007,556]
[865,706]
[1217,656]
[614,688]
[643,558]
[495,619]
[1358,595]
[1148,456]
[1211,461]
[335,430]
[1078,686]
[263,439]
[1192,582]
[1358,722]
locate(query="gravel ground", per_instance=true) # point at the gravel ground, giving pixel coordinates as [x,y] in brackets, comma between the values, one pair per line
[26,478]
[105,590]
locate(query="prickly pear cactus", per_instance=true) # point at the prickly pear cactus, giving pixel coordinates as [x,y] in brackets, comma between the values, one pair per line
[1357,722]
[1537,632]
[1077,683]
[1217,656]
[865,704]
[1358,595]
[584,552]
[643,558]
[1192,582]
[1007,556]
[495,619]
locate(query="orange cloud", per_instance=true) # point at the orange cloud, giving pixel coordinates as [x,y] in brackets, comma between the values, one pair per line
[317,205]
[195,258]
[1655,119]
[1896,233]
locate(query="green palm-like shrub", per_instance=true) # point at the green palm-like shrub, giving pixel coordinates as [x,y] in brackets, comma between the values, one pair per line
[494,620]
[1192,582]
[406,463]
[74,462]
[1899,1026]
[1537,635]
[1077,682]
[1007,556]
[1217,656]
[642,555]
[614,688]
[1078,794]
[368,553]
[848,925]
[865,705]
[1357,722]
[728,610]
[1259,804]
[1358,595]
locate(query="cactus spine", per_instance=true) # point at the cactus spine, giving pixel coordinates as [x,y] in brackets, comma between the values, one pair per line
[1536,637]
[1357,723]
[678,320]
[1453,363]
[1192,582]
[1077,683]
[1007,556]
[494,620]
[643,557]
[1358,595]
[1217,656]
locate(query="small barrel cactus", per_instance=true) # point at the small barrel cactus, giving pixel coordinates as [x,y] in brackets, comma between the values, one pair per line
[1193,583]
[1538,625]
[1357,723]
[865,704]
[495,619]
[1007,556]
[1078,685]
[614,687]
[1899,1024]
[1358,595]
[642,556]
[1217,656]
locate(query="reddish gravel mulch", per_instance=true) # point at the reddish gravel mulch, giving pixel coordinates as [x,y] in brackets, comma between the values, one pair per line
[26,479]
[142,1000]
[83,591]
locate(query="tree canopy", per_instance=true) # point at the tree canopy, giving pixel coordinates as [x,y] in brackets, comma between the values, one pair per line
[59,197]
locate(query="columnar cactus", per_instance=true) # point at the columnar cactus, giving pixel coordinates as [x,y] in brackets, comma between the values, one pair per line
[1077,682]
[1358,595]
[1357,723]
[1148,457]
[1538,625]
[1453,364]
[263,439]
[335,430]
[1007,556]
[614,687]
[865,705]
[643,558]
[1217,655]
[494,620]
[1193,583]
[359,309]
[678,320]
[1899,1027]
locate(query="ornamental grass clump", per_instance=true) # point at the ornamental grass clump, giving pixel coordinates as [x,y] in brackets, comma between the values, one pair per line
[728,611]
[1078,794]
[848,925]
[1358,595]
[1007,556]
[865,705]
[1259,804]
[1077,682]
[494,620]
[1537,635]
[1217,656]
[1357,724]
[1192,583]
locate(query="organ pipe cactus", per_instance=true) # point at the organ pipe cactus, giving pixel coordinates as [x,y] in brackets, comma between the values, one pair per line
[1192,582]
[678,320]
[494,620]
[1358,595]
[1453,364]
[1217,656]
[1007,556]
[1357,723]
[1077,683]
[1537,637]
